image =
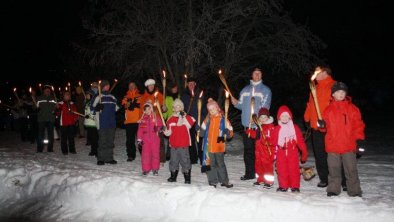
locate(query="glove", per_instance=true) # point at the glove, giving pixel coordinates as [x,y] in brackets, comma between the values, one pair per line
[197,127]
[140,142]
[321,124]
[182,113]
[87,116]
[99,107]
[360,148]
[227,132]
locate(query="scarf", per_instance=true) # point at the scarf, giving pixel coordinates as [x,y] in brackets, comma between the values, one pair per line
[206,162]
[286,133]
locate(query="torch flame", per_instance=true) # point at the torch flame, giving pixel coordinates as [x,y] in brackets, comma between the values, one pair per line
[69,84]
[164,74]
[53,89]
[201,93]
[60,89]
[14,89]
[220,71]
[316,73]
[30,89]
[115,80]
[79,83]
[185,76]
[39,85]
[227,94]
[66,88]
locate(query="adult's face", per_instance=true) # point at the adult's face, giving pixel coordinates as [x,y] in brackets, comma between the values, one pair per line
[174,89]
[132,86]
[191,85]
[47,92]
[257,75]
[151,88]
[322,75]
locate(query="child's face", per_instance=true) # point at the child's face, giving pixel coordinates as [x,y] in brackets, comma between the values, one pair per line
[176,109]
[148,110]
[284,118]
[263,119]
[339,95]
[213,110]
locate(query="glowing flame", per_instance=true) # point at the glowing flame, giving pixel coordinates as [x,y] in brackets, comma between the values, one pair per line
[185,76]
[164,74]
[14,89]
[79,83]
[69,84]
[60,89]
[115,80]
[227,94]
[220,71]
[316,73]
[201,93]
[53,89]
[39,85]
[30,89]
[66,88]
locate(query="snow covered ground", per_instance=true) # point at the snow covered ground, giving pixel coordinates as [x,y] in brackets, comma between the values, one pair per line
[53,187]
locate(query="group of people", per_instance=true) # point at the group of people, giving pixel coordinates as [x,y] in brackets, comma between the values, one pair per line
[166,128]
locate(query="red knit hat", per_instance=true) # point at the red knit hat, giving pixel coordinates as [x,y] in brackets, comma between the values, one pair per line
[264,111]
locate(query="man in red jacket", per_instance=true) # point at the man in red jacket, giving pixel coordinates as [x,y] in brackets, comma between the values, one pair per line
[345,129]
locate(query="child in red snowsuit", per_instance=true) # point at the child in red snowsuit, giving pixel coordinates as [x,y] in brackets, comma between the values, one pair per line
[264,150]
[287,138]
[149,128]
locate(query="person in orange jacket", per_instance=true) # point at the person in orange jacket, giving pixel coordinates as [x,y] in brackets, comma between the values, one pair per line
[215,127]
[287,138]
[345,130]
[131,103]
[264,150]
[323,92]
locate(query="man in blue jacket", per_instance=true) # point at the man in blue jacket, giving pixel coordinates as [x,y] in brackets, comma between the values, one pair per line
[262,98]
[105,107]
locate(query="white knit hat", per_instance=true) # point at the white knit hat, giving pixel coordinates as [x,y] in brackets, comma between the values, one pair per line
[150,82]
[178,102]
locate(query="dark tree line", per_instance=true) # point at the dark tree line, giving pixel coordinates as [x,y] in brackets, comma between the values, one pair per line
[136,39]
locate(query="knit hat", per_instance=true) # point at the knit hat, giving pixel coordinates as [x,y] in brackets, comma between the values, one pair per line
[212,102]
[148,103]
[282,110]
[150,82]
[339,86]
[178,102]
[104,83]
[192,79]
[264,111]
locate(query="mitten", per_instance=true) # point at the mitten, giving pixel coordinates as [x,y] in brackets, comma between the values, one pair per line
[99,107]
[87,116]
[321,123]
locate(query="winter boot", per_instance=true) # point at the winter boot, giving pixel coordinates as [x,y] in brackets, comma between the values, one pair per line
[187,177]
[173,176]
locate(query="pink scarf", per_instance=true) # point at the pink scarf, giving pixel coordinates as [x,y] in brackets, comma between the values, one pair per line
[286,133]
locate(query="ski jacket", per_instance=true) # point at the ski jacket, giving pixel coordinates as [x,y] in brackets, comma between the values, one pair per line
[214,131]
[149,128]
[263,143]
[46,105]
[179,130]
[169,102]
[132,99]
[106,119]
[89,122]
[344,126]
[292,145]
[67,118]
[323,94]
[262,95]
[148,96]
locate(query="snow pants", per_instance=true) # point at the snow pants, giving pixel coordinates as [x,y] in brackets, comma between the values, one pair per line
[180,156]
[218,172]
[288,168]
[349,163]
[67,139]
[105,151]
[320,154]
[150,157]
[264,164]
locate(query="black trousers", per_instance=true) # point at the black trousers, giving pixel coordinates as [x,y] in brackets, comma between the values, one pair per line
[33,128]
[193,149]
[93,137]
[67,139]
[41,135]
[249,156]
[131,133]
[24,128]
[319,151]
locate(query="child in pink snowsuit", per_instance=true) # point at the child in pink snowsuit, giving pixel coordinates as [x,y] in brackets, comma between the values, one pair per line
[149,128]
[264,150]
[288,139]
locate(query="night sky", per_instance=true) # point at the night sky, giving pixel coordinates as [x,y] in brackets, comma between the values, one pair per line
[37,34]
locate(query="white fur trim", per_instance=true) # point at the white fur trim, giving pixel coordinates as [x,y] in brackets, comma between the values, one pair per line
[150,82]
